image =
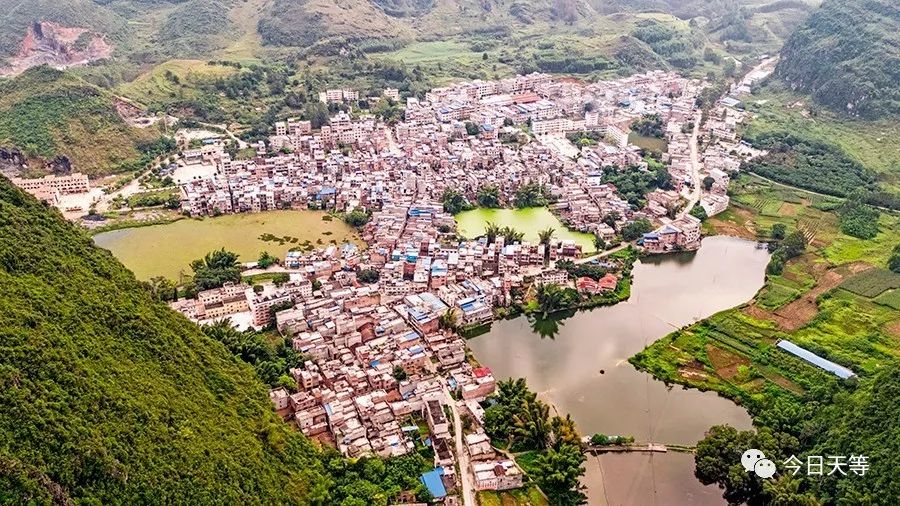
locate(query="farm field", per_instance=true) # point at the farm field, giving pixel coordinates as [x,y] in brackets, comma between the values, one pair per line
[529,496]
[836,300]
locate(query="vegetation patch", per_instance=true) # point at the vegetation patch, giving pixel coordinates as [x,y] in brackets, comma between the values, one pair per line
[872,282]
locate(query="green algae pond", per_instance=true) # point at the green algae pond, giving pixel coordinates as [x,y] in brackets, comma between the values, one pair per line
[167,250]
[529,221]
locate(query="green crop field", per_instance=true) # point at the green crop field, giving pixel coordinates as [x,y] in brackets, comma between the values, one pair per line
[872,282]
[890,298]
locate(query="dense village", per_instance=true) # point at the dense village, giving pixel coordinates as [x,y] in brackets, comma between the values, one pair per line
[385,362]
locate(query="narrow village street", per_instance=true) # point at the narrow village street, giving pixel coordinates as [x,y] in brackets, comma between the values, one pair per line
[465,477]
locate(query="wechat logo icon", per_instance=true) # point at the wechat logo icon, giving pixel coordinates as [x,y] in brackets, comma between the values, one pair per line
[756,461]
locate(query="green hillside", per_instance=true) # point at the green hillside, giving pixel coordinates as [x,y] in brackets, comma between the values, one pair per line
[112,398]
[847,56]
[47,113]
[16,16]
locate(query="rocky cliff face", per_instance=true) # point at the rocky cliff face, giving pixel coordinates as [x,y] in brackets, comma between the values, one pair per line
[48,43]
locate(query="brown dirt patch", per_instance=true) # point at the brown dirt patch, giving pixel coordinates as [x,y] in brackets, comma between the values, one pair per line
[788,209]
[893,328]
[783,382]
[795,314]
[742,227]
[724,362]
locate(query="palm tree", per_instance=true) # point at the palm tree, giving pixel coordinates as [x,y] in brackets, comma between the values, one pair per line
[532,425]
[549,297]
[448,320]
[544,237]
[512,235]
[514,391]
[491,231]
[564,431]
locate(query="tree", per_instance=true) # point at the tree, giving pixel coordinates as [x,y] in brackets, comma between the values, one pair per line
[611,219]
[454,201]
[491,231]
[718,460]
[367,275]
[162,288]
[266,260]
[793,245]
[778,231]
[636,229]
[216,269]
[558,472]
[281,278]
[531,425]
[699,212]
[400,373]
[894,261]
[599,243]
[357,218]
[785,491]
[448,320]
[564,431]
[858,219]
[544,237]
[471,128]
[512,235]
[489,196]
[708,181]
[531,195]
[649,125]
[550,298]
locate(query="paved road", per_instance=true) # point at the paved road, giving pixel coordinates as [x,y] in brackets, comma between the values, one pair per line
[695,166]
[468,490]
[603,254]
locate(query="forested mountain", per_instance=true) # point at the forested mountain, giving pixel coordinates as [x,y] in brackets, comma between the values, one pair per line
[847,56]
[53,116]
[152,31]
[110,397]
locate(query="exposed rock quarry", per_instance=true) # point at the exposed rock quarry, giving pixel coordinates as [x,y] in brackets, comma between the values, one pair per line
[49,43]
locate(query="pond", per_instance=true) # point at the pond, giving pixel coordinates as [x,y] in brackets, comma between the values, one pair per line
[579,362]
[649,143]
[167,250]
[529,221]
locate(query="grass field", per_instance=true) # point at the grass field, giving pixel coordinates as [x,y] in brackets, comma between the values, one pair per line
[875,144]
[529,496]
[153,85]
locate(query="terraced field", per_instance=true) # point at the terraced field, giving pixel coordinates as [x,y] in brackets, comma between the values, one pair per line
[836,300]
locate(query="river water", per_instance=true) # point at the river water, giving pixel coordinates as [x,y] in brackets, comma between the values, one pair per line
[578,363]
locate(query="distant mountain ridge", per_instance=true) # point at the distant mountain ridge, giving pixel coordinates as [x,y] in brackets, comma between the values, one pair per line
[847,57]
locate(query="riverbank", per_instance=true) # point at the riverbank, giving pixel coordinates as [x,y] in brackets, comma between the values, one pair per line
[834,300]
[578,359]
[808,303]
[577,362]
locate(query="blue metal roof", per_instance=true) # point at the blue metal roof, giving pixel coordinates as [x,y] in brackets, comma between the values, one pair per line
[432,481]
[812,358]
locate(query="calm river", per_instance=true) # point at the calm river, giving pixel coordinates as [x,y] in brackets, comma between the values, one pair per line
[579,364]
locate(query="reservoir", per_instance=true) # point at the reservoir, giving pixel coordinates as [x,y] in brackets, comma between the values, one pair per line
[529,221]
[168,250]
[579,364]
